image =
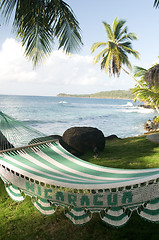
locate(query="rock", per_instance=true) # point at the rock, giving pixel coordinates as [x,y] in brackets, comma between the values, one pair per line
[79,140]
[145,106]
[4,143]
[151,126]
[112,137]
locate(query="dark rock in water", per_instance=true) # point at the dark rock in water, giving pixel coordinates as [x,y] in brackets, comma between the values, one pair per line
[145,106]
[79,140]
[151,126]
[112,137]
[4,143]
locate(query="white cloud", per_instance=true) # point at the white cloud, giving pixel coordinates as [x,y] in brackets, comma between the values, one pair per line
[59,73]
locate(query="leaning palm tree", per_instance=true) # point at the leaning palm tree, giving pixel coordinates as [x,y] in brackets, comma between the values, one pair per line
[38,23]
[148,93]
[152,76]
[116,49]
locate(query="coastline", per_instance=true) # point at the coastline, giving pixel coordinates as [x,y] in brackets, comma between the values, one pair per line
[114,94]
[90,97]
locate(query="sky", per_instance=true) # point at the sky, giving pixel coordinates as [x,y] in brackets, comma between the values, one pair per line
[76,74]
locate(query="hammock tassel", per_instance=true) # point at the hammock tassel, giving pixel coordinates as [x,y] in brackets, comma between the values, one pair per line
[116,216]
[151,211]
[14,193]
[78,216]
[44,206]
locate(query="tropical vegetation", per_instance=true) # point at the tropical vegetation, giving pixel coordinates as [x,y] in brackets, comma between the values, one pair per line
[146,92]
[116,50]
[114,94]
[38,24]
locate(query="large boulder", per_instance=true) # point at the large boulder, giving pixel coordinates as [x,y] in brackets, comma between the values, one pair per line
[80,140]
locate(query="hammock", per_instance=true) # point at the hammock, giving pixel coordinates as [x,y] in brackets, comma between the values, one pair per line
[53,177]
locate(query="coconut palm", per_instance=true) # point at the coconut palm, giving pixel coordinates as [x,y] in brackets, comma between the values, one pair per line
[38,23]
[152,76]
[147,93]
[116,49]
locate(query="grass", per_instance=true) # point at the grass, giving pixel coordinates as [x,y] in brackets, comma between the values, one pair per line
[135,152]
[22,221]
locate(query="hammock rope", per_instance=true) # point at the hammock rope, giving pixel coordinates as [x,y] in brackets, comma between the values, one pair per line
[14,133]
[53,177]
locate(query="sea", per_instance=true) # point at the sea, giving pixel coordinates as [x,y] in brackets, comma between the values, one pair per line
[54,115]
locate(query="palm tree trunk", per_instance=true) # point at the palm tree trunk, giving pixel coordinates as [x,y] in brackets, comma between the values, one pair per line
[132,77]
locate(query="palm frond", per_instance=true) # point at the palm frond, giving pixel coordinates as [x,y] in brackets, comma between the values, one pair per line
[108,31]
[126,46]
[124,58]
[7,8]
[132,36]
[147,95]
[156,3]
[67,28]
[117,27]
[139,71]
[105,63]
[129,36]
[100,55]
[34,29]
[122,34]
[97,45]
[39,22]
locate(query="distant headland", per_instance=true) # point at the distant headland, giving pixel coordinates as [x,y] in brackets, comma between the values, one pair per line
[114,94]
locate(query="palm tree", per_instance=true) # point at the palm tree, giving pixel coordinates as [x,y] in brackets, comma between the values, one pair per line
[38,23]
[147,93]
[152,76]
[116,49]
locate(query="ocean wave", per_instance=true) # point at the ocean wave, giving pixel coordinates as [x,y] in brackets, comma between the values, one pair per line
[128,104]
[138,110]
[62,102]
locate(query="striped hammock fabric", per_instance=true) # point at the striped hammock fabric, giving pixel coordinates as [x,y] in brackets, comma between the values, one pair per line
[53,177]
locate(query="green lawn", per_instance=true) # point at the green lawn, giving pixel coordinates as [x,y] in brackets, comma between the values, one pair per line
[135,152]
[23,221]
